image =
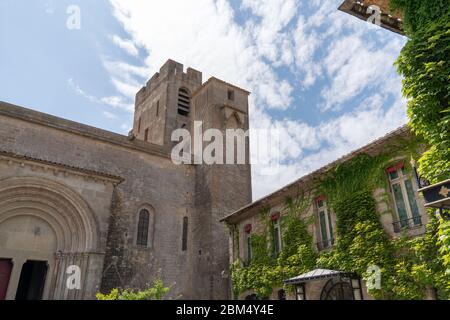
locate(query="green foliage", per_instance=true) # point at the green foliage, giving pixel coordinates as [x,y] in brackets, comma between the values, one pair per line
[361,173]
[444,240]
[364,172]
[408,266]
[420,266]
[261,256]
[156,292]
[267,271]
[425,67]
[418,13]
[361,240]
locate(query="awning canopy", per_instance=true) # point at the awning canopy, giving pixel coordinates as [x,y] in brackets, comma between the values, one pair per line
[317,274]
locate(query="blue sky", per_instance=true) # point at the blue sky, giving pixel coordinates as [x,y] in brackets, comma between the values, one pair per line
[326,80]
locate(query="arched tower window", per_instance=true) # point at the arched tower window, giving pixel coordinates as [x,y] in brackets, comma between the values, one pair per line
[143,226]
[183,102]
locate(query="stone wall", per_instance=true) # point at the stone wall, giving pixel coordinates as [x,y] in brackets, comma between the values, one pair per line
[149,178]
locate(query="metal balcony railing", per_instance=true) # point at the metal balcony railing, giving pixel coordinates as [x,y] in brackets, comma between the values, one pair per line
[323,245]
[406,224]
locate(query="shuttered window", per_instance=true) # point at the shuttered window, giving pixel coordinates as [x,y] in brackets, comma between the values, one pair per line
[183,102]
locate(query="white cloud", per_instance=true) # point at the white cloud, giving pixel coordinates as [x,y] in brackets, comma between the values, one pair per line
[354,65]
[274,15]
[202,34]
[109,115]
[306,148]
[113,101]
[323,45]
[126,45]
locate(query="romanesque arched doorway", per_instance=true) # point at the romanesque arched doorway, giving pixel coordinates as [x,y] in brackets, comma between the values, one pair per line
[45,227]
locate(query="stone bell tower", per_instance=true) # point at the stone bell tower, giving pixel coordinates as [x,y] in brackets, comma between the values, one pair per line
[173,99]
[164,105]
[220,189]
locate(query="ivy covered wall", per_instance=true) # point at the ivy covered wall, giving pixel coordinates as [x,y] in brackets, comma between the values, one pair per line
[409,267]
[425,66]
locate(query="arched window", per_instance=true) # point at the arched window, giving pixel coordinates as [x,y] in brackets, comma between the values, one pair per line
[143,224]
[183,102]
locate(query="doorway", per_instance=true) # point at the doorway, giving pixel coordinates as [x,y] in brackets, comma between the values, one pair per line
[5,273]
[32,280]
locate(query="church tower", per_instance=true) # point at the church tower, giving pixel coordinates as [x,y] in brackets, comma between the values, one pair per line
[220,189]
[173,99]
[164,105]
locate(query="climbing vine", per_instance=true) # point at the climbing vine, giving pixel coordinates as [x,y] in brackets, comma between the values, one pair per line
[266,270]
[425,67]
[417,14]
[408,266]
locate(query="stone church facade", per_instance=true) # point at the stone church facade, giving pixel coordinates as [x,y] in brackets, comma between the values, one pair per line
[115,206]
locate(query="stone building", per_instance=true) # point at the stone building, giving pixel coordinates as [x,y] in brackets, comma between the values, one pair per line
[374,11]
[116,208]
[403,214]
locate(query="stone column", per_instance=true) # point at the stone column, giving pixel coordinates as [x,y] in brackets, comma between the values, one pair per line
[15,277]
[48,281]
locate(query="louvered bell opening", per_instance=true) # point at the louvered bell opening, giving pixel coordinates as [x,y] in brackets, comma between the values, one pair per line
[183,102]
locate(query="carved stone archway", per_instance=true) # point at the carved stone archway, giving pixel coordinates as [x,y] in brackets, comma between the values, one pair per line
[44,220]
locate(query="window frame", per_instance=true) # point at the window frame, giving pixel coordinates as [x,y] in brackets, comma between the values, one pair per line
[328,241]
[300,290]
[249,249]
[143,228]
[356,288]
[150,227]
[401,179]
[276,237]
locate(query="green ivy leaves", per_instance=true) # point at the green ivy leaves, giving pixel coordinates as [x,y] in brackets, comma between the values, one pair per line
[156,292]
[425,67]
